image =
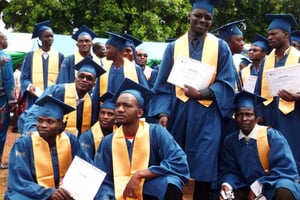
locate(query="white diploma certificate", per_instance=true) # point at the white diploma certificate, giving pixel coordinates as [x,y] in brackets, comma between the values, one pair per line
[188,71]
[82,179]
[287,78]
[249,83]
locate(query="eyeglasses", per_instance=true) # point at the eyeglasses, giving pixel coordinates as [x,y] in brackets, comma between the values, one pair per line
[254,50]
[87,77]
[140,55]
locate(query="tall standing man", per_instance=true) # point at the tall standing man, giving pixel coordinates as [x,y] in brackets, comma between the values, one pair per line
[194,116]
[7,98]
[40,67]
[282,111]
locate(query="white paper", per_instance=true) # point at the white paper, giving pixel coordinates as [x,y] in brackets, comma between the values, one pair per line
[188,71]
[37,91]
[82,179]
[287,78]
[249,83]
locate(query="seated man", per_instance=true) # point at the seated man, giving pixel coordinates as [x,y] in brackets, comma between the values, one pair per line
[141,160]
[257,160]
[74,94]
[39,161]
[91,139]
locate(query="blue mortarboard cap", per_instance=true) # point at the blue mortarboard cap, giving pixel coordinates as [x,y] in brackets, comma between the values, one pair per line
[261,42]
[230,29]
[133,41]
[245,60]
[83,30]
[142,94]
[106,100]
[295,36]
[281,21]
[39,28]
[117,40]
[52,107]
[208,5]
[88,65]
[247,99]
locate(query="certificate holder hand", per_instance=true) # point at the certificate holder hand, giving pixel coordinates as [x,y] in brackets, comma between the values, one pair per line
[32,90]
[191,92]
[60,194]
[289,96]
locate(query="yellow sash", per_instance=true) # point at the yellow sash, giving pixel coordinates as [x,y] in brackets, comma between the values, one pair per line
[98,134]
[209,56]
[123,169]
[70,99]
[37,68]
[245,73]
[43,159]
[129,72]
[78,57]
[263,147]
[293,58]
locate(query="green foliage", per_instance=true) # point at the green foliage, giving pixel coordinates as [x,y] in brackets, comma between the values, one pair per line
[149,20]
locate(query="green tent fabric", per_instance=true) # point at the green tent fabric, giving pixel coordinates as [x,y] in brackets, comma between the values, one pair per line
[153,62]
[17,57]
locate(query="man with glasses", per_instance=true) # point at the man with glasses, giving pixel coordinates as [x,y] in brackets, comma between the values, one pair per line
[74,94]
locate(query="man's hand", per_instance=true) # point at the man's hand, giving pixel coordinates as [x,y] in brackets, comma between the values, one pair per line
[288,96]
[191,92]
[132,186]
[60,194]
[163,120]
[32,90]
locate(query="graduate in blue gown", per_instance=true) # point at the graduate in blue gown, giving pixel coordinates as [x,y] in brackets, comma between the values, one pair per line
[75,94]
[40,67]
[195,125]
[142,151]
[39,161]
[91,139]
[283,111]
[118,68]
[84,41]
[251,167]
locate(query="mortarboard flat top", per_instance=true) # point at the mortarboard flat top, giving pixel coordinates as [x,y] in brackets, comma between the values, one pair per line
[88,65]
[208,5]
[247,99]
[116,40]
[142,94]
[52,107]
[245,60]
[281,21]
[229,29]
[39,28]
[262,42]
[136,42]
[295,36]
[106,100]
[83,30]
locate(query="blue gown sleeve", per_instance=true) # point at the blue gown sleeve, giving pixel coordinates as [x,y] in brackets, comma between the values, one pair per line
[25,77]
[87,144]
[21,176]
[67,72]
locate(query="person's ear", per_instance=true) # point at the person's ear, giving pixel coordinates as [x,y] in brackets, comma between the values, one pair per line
[140,112]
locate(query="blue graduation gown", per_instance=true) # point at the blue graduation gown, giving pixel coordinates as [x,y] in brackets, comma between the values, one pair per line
[288,124]
[67,70]
[26,76]
[22,183]
[27,120]
[115,79]
[240,165]
[166,159]
[7,87]
[195,127]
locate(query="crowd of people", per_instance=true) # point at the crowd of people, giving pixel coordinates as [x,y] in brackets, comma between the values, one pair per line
[105,105]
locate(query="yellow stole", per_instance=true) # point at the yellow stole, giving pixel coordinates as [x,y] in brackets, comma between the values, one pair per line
[43,160]
[37,75]
[70,99]
[245,72]
[122,168]
[129,72]
[209,56]
[98,134]
[293,58]
[263,147]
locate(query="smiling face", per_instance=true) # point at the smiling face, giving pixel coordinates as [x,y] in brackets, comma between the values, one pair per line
[106,118]
[84,44]
[84,82]
[200,22]
[245,118]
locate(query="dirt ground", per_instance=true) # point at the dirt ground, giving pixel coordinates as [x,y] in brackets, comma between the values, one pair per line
[11,137]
